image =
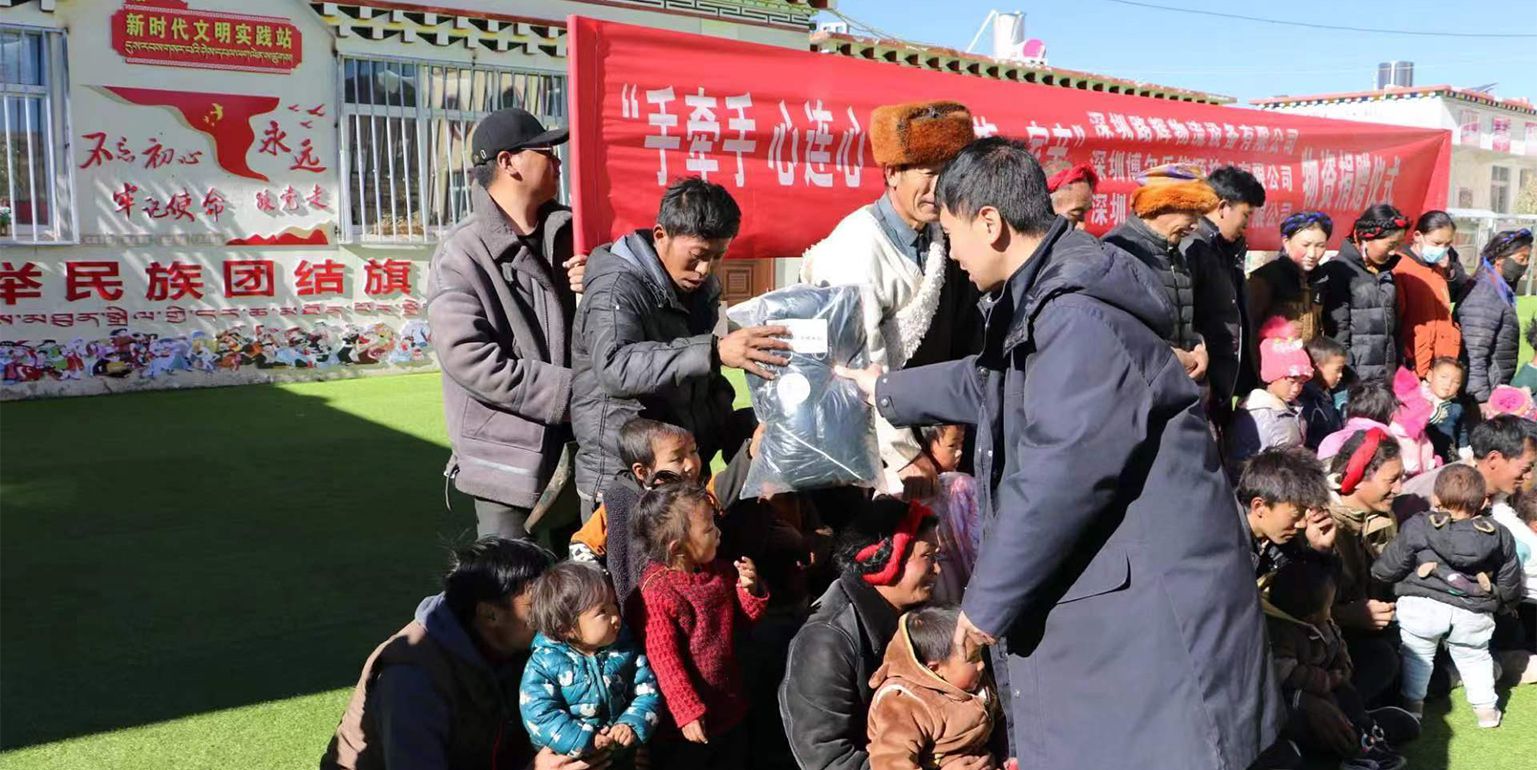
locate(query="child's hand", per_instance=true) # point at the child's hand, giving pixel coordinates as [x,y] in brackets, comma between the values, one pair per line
[621,735]
[747,575]
[602,741]
[693,732]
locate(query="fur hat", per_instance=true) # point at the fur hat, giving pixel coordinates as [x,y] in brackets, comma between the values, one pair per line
[1281,352]
[1173,188]
[919,133]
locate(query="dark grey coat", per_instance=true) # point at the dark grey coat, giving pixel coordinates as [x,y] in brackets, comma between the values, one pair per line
[1113,567]
[1468,546]
[499,314]
[1491,333]
[1174,270]
[642,348]
[1221,311]
[1361,312]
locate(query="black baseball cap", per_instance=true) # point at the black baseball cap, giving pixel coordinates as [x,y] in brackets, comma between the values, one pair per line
[511,130]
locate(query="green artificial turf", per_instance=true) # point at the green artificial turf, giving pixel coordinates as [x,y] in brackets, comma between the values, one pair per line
[192,579]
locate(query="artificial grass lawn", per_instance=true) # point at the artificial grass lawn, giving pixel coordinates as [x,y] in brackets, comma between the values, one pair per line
[192,579]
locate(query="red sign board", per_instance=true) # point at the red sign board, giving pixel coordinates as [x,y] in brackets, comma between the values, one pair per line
[168,33]
[787,132]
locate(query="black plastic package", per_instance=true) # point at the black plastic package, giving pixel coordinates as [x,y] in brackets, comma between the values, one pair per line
[817,426]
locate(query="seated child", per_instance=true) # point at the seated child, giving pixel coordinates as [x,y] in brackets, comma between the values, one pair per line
[1453,415]
[1373,404]
[960,529]
[1319,410]
[586,688]
[646,447]
[692,605]
[1411,423]
[932,705]
[1431,551]
[1270,416]
[1314,666]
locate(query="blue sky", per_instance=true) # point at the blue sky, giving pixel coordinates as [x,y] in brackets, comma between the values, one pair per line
[1244,59]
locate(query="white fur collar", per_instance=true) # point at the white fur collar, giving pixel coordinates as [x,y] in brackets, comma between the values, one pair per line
[912,321]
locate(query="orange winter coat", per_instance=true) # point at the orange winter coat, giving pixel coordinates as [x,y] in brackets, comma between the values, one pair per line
[919,721]
[1426,330]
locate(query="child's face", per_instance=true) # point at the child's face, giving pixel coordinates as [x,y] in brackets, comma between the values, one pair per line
[1287,388]
[1330,371]
[1278,523]
[1445,381]
[598,626]
[703,535]
[947,446]
[678,454]
[960,669]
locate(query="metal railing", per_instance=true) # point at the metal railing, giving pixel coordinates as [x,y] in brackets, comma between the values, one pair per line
[405,132]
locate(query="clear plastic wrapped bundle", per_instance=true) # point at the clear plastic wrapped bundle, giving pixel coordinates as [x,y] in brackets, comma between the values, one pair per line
[817,426]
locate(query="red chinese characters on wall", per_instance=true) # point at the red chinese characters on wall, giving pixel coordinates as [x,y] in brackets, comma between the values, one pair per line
[169,33]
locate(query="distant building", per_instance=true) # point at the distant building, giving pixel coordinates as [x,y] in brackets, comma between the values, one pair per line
[1494,144]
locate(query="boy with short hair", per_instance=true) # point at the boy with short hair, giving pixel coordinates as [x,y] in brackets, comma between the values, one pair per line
[645,447]
[1320,403]
[1453,414]
[1452,541]
[1283,492]
[932,704]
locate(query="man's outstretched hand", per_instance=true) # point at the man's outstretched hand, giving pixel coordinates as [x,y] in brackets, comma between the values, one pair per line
[865,378]
[749,347]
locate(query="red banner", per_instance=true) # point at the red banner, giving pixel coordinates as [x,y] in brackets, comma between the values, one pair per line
[167,32]
[787,133]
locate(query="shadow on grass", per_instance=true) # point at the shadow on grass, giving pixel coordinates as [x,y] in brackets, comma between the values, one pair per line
[174,553]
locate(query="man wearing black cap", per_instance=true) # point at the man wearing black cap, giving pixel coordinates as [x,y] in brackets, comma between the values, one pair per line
[501,295]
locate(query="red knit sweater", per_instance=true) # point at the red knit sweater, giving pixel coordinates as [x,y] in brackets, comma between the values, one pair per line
[690,622]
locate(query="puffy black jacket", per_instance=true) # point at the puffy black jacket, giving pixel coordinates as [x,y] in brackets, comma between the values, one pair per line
[1491,333]
[1174,270]
[639,347]
[1222,313]
[824,699]
[1361,312]
[1470,546]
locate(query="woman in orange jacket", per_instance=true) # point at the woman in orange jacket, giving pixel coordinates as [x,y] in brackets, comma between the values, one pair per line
[1429,275]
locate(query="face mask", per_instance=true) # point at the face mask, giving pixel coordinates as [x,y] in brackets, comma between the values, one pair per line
[1512,271]
[1433,254]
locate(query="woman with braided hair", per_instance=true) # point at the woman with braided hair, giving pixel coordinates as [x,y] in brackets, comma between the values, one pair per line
[1283,286]
[888,560]
[1491,331]
[1360,299]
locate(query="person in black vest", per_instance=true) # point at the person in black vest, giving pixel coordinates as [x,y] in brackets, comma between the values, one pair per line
[1168,206]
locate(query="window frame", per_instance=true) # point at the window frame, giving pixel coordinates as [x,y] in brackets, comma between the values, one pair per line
[1499,180]
[58,178]
[355,117]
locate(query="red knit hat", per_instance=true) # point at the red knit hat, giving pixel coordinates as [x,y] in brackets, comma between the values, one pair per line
[1083,172]
[896,545]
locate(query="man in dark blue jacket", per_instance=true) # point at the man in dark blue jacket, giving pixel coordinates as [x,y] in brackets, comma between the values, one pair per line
[1113,576]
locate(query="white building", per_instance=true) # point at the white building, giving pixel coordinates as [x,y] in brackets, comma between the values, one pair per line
[1494,145]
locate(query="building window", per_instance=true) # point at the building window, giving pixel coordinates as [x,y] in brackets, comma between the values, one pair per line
[405,136]
[1499,190]
[35,202]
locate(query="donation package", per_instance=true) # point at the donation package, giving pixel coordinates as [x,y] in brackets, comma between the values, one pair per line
[817,426]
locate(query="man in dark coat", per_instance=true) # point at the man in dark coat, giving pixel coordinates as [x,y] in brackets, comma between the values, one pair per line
[644,342]
[1167,207]
[500,306]
[1218,250]
[1113,574]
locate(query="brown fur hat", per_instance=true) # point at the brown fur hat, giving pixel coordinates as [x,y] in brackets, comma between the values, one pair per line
[919,133]
[1173,188]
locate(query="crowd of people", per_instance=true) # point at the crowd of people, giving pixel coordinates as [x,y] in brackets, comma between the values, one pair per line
[1134,503]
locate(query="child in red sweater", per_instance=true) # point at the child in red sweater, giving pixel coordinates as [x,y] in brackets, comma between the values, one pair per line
[691,604]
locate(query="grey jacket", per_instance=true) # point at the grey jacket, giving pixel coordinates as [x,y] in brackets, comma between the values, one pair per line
[1110,549]
[500,316]
[1361,312]
[1491,333]
[1179,276]
[642,349]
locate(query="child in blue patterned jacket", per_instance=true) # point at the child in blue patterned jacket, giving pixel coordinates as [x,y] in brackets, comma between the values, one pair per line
[587,689]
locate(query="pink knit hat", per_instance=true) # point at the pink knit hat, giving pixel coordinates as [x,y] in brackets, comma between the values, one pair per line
[1281,352]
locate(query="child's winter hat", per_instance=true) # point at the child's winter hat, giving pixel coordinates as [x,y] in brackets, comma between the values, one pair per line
[1508,399]
[1281,352]
[1176,187]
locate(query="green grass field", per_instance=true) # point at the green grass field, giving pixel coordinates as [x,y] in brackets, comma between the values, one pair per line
[192,579]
